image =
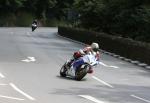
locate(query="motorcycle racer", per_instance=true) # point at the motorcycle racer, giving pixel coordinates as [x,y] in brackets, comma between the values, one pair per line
[35,22]
[92,49]
[82,56]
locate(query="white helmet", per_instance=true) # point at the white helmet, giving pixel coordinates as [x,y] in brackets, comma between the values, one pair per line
[95,46]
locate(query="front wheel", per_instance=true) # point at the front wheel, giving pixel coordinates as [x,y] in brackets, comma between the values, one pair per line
[80,73]
[63,71]
[33,28]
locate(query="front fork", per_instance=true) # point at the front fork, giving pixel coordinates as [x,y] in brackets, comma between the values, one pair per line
[90,70]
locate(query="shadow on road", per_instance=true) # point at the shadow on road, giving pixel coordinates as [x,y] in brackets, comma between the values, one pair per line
[69,78]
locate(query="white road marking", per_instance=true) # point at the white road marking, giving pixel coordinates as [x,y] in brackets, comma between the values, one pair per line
[1,75]
[113,67]
[140,98]
[91,98]
[1,96]
[102,82]
[32,59]
[29,59]
[101,63]
[23,93]
[26,60]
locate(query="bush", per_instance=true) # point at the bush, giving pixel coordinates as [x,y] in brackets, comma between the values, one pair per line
[7,19]
[55,22]
[24,19]
[127,18]
[21,19]
[122,46]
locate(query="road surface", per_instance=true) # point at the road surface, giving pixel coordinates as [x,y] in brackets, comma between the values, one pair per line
[30,64]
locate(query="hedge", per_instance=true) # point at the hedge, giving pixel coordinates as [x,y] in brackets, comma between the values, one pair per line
[122,46]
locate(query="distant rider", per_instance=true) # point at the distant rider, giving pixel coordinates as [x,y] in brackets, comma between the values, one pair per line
[35,22]
[34,25]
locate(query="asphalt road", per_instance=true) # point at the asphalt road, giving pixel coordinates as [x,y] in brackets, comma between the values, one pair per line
[30,64]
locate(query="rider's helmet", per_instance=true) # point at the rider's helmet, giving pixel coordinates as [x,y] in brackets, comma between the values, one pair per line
[35,20]
[95,47]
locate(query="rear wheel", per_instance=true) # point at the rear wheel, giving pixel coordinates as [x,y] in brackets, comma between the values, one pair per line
[63,71]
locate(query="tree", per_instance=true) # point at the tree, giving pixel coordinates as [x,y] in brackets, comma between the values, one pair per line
[42,7]
[89,11]
[61,9]
[127,18]
[10,5]
[30,5]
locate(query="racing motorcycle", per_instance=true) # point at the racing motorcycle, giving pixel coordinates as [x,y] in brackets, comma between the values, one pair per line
[81,71]
[34,26]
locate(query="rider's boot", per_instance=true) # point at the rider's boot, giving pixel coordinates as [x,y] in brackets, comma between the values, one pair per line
[70,62]
[72,71]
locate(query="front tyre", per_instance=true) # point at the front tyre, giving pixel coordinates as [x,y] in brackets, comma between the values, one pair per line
[63,71]
[33,28]
[80,73]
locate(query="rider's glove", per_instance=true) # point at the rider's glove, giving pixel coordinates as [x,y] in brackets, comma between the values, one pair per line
[82,52]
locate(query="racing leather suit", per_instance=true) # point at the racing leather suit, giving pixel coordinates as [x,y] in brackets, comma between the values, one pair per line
[80,58]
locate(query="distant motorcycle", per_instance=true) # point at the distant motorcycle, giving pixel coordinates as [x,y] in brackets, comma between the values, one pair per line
[34,26]
[81,71]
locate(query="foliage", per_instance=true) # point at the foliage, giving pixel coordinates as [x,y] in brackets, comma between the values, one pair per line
[7,19]
[42,7]
[44,10]
[127,18]
[10,5]
[24,19]
[114,44]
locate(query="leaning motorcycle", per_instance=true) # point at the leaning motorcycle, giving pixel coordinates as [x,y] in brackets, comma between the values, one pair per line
[81,71]
[34,26]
